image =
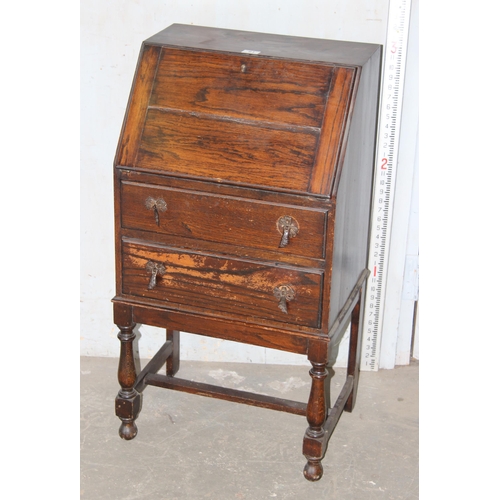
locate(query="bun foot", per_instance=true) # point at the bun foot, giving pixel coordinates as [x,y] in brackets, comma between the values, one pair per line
[313,470]
[128,430]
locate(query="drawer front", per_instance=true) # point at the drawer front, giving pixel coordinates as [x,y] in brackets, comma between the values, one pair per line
[242,87]
[223,219]
[208,283]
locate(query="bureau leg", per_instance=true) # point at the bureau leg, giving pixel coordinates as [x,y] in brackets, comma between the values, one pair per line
[353,363]
[128,401]
[313,447]
[173,360]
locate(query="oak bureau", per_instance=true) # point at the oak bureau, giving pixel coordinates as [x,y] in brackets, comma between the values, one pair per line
[243,184]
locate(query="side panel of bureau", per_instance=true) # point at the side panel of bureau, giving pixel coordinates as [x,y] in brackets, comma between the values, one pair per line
[353,190]
[142,85]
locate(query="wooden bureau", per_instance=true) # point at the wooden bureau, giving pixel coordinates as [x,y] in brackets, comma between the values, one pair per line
[243,184]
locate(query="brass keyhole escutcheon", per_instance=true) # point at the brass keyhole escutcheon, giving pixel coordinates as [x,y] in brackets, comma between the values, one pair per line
[155,269]
[289,228]
[284,294]
[157,205]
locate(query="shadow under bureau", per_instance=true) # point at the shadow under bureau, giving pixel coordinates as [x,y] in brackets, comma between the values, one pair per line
[243,184]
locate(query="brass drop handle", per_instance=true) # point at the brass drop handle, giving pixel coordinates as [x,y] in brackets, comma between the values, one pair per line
[155,269]
[157,205]
[284,294]
[289,228]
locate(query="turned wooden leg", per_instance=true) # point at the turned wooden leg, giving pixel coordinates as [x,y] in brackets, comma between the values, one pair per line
[353,363]
[328,383]
[173,360]
[316,415]
[128,401]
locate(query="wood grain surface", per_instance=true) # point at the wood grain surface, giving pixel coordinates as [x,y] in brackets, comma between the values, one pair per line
[223,219]
[212,147]
[259,89]
[235,286]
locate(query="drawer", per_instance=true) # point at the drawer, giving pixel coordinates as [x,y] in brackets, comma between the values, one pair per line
[242,87]
[209,283]
[223,219]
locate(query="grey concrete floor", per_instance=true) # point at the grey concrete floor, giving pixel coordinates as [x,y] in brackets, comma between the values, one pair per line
[195,447]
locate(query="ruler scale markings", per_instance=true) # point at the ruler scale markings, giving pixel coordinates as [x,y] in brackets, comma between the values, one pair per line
[387,148]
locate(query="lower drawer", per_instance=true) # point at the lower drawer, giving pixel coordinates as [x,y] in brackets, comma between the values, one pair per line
[220,285]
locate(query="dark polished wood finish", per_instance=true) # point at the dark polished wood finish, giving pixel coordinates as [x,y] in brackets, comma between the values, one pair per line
[243,180]
[129,400]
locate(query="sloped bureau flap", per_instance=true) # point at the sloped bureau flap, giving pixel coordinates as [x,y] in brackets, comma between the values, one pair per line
[236,118]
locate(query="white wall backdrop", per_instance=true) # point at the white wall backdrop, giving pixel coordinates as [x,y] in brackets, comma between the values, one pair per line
[111,36]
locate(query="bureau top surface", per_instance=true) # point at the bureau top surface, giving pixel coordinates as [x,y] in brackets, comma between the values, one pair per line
[265,44]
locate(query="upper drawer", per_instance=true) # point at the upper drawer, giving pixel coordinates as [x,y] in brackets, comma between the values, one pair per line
[240,86]
[223,219]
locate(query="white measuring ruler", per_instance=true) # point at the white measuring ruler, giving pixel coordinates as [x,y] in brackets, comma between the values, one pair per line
[386,159]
